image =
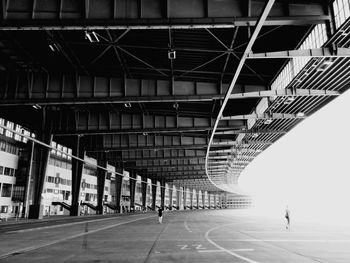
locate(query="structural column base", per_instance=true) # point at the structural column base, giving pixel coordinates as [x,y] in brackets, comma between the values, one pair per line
[75,210]
[35,212]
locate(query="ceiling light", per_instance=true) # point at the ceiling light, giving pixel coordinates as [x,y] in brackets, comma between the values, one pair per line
[176,105]
[171,54]
[91,36]
[145,133]
[127,105]
[300,114]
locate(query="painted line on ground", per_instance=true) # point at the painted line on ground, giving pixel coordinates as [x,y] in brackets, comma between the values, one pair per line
[224,249]
[186,226]
[219,250]
[28,249]
[292,240]
[61,225]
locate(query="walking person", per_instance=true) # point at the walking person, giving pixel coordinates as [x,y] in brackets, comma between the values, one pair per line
[160,215]
[287,216]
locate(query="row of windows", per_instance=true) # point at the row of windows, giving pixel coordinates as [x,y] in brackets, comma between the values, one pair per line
[58,180]
[60,148]
[15,127]
[7,171]
[60,163]
[89,186]
[9,148]
[65,194]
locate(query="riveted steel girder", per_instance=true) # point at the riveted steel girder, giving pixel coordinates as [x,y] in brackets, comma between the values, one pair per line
[161,14]
[28,88]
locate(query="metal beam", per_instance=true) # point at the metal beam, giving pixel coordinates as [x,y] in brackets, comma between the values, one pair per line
[273,116]
[16,90]
[285,93]
[251,131]
[124,160]
[142,148]
[243,144]
[337,52]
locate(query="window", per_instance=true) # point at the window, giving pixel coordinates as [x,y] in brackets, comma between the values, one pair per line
[50,179]
[6,190]
[9,125]
[2,146]
[4,209]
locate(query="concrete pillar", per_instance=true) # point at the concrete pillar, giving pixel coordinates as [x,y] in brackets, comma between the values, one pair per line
[191,198]
[132,181]
[178,197]
[40,157]
[185,198]
[203,199]
[215,203]
[162,193]
[154,194]
[171,197]
[101,180]
[144,191]
[118,189]
[209,196]
[77,173]
[225,196]
[197,198]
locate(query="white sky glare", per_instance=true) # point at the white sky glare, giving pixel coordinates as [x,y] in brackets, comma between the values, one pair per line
[308,169]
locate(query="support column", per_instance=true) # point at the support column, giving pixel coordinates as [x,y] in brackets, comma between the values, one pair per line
[77,173]
[154,194]
[118,190]
[203,199]
[209,201]
[191,199]
[197,198]
[162,193]
[101,180]
[41,157]
[185,198]
[221,201]
[144,191]
[225,196]
[178,199]
[215,203]
[171,197]
[28,176]
[132,175]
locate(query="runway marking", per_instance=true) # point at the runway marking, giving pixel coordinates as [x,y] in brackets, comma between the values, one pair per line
[31,248]
[61,225]
[224,249]
[186,226]
[293,240]
[183,247]
[198,246]
[219,250]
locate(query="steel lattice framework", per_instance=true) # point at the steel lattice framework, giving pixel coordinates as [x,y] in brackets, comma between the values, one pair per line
[166,88]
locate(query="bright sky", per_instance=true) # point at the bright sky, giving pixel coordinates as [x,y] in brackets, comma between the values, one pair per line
[308,169]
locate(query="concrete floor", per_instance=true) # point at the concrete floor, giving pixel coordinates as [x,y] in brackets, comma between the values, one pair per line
[187,236]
